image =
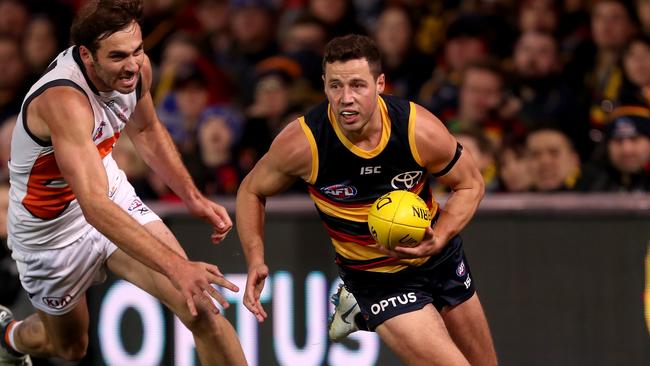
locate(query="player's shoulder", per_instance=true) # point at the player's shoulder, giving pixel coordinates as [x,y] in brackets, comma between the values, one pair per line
[292,148]
[427,124]
[431,137]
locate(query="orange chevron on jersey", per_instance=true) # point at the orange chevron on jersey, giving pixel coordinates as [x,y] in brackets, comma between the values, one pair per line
[47,193]
[105,147]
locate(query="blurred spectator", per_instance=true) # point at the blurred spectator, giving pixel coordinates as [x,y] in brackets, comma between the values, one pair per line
[267,115]
[182,110]
[482,151]
[304,32]
[514,169]
[303,39]
[636,67]
[464,44]
[40,45]
[483,106]
[6,130]
[627,167]
[218,134]
[543,98]
[538,15]
[597,66]
[554,164]
[14,17]
[405,67]
[252,29]
[12,77]
[643,10]
[338,15]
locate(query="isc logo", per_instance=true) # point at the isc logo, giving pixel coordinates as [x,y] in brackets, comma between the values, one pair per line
[365,170]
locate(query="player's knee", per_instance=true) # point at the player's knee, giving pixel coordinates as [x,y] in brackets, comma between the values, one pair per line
[74,351]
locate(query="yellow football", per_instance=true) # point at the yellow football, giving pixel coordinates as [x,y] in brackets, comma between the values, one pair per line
[398,218]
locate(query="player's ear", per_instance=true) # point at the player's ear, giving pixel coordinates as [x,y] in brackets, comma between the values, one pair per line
[381,83]
[85,54]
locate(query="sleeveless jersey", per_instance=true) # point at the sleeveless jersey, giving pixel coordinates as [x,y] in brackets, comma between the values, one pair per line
[43,210]
[346,180]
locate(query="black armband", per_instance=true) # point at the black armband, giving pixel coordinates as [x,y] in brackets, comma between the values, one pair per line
[445,170]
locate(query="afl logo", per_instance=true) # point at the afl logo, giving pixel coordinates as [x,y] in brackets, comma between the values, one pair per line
[340,191]
[406,180]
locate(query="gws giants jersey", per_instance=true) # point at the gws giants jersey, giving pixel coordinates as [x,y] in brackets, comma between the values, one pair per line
[43,210]
[346,180]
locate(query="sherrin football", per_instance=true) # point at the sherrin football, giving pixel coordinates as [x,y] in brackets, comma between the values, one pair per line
[398,218]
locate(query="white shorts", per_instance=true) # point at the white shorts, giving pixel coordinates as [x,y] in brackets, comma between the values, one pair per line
[56,279]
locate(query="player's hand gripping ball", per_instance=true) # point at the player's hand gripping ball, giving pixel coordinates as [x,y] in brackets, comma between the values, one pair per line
[398,218]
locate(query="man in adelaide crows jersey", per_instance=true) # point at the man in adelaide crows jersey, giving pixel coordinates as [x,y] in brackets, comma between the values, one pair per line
[350,150]
[72,213]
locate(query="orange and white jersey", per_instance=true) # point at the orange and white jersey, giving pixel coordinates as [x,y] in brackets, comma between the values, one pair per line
[43,210]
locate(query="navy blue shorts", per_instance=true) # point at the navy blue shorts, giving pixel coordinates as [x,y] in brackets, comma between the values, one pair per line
[443,280]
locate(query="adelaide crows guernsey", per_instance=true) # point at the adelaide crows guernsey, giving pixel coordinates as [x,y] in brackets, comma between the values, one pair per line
[345,180]
[43,210]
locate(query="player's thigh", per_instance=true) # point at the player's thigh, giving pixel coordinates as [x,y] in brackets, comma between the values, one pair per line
[469,329]
[68,330]
[420,338]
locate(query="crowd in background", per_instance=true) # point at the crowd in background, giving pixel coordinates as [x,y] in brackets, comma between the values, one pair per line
[547,95]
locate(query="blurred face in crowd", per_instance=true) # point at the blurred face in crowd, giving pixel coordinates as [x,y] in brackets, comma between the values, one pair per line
[328,11]
[178,51]
[480,94]
[552,159]
[514,171]
[12,68]
[213,15]
[538,15]
[393,33]
[251,26]
[636,63]
[215,141]
[271,96]
[192,98]
[461,51]
[14,17]
[610,25]
[352,92]
[305,36]
[535,55]
[40,43]
[481,159]
[630,154]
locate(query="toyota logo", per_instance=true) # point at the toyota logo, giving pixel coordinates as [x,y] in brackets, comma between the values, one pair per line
[406,180]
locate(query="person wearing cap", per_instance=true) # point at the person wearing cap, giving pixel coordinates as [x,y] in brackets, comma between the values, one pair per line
[627,166]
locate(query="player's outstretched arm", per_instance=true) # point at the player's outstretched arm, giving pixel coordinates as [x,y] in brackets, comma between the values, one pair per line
[437,147]
[288,158]
[155,146]
[70,130]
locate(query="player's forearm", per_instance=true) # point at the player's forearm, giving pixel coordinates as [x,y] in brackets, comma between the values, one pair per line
[250,227]
[458,211]
[129,235]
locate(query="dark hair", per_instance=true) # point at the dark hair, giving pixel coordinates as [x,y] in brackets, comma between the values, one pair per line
[99,19]
[353,47]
